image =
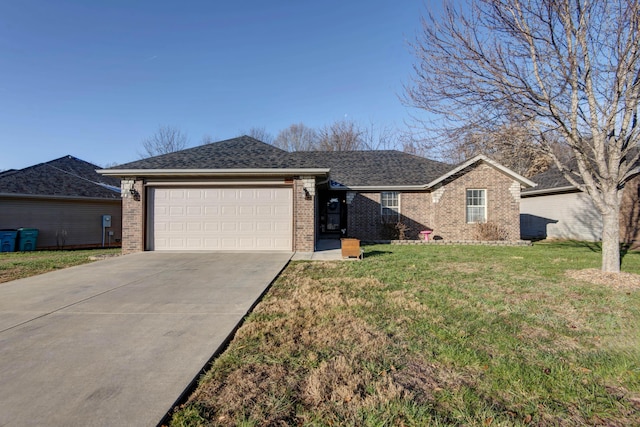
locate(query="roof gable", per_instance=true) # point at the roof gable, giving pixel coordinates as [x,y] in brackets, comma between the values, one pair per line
[63,177]
[524,182]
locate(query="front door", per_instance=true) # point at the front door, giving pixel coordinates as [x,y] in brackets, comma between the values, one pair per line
[333,214]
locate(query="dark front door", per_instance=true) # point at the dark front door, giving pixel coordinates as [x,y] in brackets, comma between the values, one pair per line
[333,214]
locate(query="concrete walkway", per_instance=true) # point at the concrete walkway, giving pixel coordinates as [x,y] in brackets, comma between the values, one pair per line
[326,250]
[116,342]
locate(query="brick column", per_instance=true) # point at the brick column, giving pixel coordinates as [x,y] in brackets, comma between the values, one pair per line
[303,217]
[133,211]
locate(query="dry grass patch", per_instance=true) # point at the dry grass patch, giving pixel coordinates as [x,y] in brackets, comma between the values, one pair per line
[622,280]
[431,336]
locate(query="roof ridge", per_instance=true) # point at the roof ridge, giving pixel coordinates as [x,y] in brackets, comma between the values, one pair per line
[75,175]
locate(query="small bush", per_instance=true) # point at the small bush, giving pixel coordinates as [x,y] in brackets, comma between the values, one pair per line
[490,231]
[395,230]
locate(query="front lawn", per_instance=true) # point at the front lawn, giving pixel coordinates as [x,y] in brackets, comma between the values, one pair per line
[434,335]
[18,265]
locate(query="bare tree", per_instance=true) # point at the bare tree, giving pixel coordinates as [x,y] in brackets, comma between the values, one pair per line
[297,137]
[261,134]
[166,139]
[343,135]
[379,137]
[508,144]
[207,139]
[571,69]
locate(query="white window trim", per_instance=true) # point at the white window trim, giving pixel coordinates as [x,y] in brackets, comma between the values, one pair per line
[384,217]
[466,206]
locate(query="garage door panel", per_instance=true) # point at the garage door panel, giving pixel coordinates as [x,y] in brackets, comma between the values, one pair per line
[211,210]
[176,210]
[211,227]
[194,227]
[221,219]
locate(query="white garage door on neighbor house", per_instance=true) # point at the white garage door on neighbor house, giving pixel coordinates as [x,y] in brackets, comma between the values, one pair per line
[249,219]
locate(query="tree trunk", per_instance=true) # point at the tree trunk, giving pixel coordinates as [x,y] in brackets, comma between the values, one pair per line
[611,240]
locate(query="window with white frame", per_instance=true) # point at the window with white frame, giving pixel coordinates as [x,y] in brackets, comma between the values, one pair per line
[476,205]
[390,206]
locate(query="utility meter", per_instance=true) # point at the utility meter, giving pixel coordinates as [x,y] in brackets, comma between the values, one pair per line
[106,221]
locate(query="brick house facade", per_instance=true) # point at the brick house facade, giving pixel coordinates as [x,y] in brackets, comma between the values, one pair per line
[299,198]
[442,210]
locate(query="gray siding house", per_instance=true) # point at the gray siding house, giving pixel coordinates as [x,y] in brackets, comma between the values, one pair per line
[65,200]
[555,209]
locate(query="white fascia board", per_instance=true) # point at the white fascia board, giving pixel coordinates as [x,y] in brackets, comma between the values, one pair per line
[546,191]
[380,187]
[482,158]
[212,172]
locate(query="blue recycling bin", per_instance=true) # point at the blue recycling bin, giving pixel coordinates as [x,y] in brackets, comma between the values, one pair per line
[27,239]
[8,240]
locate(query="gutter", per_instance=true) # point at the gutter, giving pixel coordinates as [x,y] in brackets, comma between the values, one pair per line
[555,190]
[380,187]
[212,172]
[54,197]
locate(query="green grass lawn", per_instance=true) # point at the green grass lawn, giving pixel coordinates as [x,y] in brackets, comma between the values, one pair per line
[433,335]
[17,265]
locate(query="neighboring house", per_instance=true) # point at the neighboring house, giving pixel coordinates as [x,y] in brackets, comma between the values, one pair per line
[243,194]
[65,200]
[558,210]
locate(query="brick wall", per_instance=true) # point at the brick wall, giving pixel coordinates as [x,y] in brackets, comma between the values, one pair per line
[133,223]
[364,219]
[503,203]
[303,218]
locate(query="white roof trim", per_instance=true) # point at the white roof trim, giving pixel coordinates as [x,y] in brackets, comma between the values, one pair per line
[212,172]
[482,158]
[380,187]
[549,191]
[55,197]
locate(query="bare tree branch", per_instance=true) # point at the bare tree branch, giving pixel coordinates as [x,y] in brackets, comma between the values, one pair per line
[166,139]
[571,71]
[297,137]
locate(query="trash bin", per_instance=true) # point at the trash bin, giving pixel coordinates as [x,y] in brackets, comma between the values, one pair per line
[8,240]
[27,238]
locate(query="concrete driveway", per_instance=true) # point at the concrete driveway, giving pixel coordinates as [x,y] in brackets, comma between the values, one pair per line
[116,342]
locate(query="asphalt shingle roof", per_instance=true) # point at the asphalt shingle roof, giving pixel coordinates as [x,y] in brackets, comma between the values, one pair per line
[237,153]
[66,176]
[375,168]
[350,168]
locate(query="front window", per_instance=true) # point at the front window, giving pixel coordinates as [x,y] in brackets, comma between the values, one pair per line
[476,206]
[390,205]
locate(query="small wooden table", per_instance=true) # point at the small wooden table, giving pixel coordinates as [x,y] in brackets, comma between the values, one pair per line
[351,248]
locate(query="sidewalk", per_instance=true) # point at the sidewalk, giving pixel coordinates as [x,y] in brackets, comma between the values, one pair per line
[326,250]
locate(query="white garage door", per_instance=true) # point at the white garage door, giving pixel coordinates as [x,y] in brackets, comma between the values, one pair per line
[220,219]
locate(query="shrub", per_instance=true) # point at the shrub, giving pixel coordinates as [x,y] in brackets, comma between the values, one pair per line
[395,230]
[490,231]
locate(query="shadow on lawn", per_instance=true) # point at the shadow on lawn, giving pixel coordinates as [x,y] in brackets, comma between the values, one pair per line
[376,253]
[596,247]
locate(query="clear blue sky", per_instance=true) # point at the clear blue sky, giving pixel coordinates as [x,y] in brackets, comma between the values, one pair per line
[94,78]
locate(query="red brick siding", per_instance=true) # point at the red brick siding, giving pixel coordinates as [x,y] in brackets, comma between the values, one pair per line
[303,219]
[133,220]
[502,207]
[364,220]
[447,217]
